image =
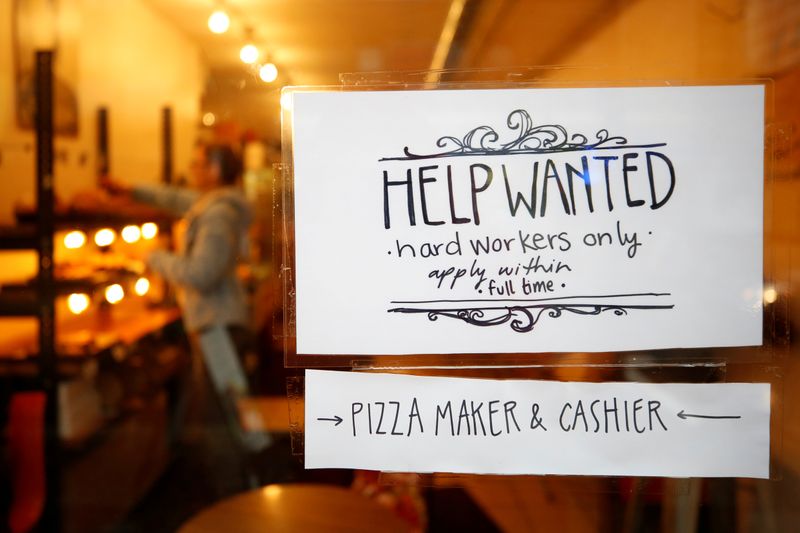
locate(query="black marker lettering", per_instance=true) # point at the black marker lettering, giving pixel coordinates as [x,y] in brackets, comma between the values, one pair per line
[396,418]
[442,413]
[476,189]
[353,414]
[409,193]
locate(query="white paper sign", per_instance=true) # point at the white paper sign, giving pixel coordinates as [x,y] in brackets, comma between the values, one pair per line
[528,220]
[430,424]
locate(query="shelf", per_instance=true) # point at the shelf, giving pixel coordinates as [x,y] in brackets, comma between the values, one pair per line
[21,237]
[26,291]
[71,218]
[85,337]
[18,301]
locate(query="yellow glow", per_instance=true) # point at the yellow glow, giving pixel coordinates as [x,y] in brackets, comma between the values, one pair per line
[268,73]
[770,295]
[149,230]
[131,234]
[286,101]
[271,491]
[74,239]
[104,237]
[78,303]
[445,42]
[142,286]
[248,54]
[219,22]
[209,119]
[114,293]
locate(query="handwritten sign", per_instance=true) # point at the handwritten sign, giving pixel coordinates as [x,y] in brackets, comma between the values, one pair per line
[430,424]
[528,220]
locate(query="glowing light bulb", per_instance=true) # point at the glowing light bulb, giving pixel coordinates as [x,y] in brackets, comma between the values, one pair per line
[219,22]
[78,303]
[149,230]
[74,239]
[114,293]
[142,286]
[248,54]
[770,295]
[104,237]
[209,119]
[268,73]
[131,234]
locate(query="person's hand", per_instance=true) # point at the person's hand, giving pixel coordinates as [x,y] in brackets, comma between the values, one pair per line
[114,187]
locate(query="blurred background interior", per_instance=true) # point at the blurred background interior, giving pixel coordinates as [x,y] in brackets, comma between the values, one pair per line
[92,363]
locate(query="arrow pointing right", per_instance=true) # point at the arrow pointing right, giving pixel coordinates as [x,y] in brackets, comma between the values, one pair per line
[684,416]
[337,419]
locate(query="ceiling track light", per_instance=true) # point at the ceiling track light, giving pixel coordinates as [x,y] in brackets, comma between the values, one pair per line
[268,72]
[249,52]
[219,21]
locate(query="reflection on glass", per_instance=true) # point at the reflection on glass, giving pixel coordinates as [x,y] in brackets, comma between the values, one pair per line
[770,295]
[286,101]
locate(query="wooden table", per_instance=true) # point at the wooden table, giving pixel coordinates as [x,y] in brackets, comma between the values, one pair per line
[295,507]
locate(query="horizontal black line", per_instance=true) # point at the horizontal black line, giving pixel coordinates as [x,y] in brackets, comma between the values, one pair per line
[518,152]
[538,306]
[530,299]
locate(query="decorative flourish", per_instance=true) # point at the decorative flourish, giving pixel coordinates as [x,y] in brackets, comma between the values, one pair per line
[530,139]
[523,318]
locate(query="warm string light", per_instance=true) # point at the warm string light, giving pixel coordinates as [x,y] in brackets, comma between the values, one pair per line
[131,234]
[104,237]
[74,240]
[78,303]
[149,230]
[114,293]
[142,286]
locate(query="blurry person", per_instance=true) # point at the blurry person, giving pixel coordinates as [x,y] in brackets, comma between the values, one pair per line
[211,239]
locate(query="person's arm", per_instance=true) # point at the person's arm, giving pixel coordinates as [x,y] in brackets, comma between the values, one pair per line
[174,199]
[214,248]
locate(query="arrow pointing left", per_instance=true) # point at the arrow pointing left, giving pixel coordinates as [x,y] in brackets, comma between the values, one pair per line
[337,419]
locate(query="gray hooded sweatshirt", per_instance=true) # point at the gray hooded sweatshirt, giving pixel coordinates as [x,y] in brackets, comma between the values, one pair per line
[204,266]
